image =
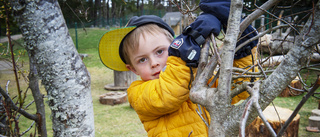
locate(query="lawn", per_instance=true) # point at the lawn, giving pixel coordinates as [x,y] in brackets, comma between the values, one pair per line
[121,120]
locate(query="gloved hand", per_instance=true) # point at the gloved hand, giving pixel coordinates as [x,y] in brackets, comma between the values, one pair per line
[221,9]
[217,8]
[187,45]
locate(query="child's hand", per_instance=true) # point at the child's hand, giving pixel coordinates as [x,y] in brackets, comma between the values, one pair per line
[221,9]
[187,45]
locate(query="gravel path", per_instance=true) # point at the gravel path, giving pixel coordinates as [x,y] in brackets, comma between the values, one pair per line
[5,66]
[14,37]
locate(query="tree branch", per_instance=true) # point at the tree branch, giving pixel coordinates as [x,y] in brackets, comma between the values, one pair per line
[21,111]
[260,35]
[254,100]
[244,118]
[257,13]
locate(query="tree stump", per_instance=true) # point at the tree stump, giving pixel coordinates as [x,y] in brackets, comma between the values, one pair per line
[122,80]
[258,129]
[315,112]
[290,92]
[113,98]
[314,121]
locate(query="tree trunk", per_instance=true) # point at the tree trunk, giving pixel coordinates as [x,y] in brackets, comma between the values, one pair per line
[138,4]
[97,13]
[59,65]
[38,98]
[2,117]
[108,12]
[103,12]
[91,10]
[113,8]
[170,6]
[156,4]
[141,7]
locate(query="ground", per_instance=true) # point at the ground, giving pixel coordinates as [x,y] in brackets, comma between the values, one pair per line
[14,37]
[6,67]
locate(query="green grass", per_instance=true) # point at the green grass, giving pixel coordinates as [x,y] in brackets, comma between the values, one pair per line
[121,120]
[88,41]
[305,112]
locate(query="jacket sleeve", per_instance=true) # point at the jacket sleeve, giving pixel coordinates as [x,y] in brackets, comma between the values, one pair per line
[155,98]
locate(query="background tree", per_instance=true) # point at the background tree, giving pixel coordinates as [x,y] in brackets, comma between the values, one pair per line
[59,66]
[97,12]
[11,111]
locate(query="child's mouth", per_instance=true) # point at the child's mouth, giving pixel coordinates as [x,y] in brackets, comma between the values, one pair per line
[156,74]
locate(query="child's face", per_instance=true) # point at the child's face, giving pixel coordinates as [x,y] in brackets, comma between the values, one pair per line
[151,56]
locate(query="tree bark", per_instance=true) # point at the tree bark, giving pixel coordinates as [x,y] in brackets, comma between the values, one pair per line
[224,117]
[38,98]
[59,65]
[221,99]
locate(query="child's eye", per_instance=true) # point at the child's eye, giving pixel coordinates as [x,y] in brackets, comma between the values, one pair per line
[142,60]
[159,52]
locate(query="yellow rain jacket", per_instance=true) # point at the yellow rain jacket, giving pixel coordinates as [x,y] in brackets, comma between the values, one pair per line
[163,104]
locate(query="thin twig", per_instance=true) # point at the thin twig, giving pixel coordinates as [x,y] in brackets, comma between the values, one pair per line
[263,118]
[28,129]
[260,35]
[297,109]
[287,7]
[11,50]
[279,19]
[239,88]
[255,96]
[77,17]
[215,49]
[23,112]
[244,118]
[198,112]
[301,80]
[215,78]
[25,108]
[248,76]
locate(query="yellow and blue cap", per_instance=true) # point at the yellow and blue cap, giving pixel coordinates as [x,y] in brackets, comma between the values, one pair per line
[110,45]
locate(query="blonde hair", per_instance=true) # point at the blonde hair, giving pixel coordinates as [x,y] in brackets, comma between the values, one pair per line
[131,42]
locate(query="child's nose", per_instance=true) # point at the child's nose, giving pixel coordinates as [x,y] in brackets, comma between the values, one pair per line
[154,63]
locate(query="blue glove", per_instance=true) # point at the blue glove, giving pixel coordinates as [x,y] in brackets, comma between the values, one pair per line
[221,9]
[218,8]
[215,16]
[187,45]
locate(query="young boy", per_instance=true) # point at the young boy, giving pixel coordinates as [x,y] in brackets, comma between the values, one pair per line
[161,98]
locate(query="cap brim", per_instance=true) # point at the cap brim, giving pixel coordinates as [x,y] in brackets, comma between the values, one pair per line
[109,48]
